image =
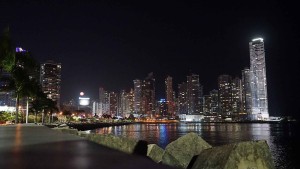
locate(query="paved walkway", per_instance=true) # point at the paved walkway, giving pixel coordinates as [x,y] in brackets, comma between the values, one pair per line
[35,146]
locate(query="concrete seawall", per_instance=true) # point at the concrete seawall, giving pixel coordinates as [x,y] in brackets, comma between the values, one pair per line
[37,146]
[190,151]
[89,126]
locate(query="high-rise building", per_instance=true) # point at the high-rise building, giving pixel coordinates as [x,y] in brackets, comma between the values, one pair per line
[50,79]
[236,94]
[125,103]
[122,103]
[194,94]
[246,92]
[7,99]
[103,101]
[258,80]
[207,104]
[131,101]
[113,104]
[170,96]
[182,98]
[148,96]
[214,102]
[163,108]
[225,95]
[137,95]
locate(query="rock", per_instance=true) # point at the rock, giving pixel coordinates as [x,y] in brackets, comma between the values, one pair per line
[180,152]
[123,144]
[170,160]
[243,155]
[155,152]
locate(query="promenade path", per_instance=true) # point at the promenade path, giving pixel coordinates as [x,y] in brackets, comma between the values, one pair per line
[35,146]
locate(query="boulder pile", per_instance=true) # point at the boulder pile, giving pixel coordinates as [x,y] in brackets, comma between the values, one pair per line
[190,151]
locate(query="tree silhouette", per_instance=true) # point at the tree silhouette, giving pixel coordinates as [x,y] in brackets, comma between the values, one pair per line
[7,52]
[23,76]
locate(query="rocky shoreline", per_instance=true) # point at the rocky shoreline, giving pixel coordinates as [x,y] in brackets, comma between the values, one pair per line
[189,151]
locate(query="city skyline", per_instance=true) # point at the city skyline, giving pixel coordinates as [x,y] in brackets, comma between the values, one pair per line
[110,44]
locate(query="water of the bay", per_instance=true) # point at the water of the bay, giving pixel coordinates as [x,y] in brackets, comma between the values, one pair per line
[281,137]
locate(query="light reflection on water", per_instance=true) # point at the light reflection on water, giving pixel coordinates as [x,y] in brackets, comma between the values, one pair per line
[281,138]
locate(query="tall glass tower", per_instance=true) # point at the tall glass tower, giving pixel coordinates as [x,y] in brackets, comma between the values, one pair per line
[258,79]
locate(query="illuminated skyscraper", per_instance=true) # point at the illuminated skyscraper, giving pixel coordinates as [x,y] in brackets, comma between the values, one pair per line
[103,101]
[170,96]
[113,104]
[7,98]
[246,92]
[137,95]
[50,79]
[182,98]
[236,96]
[258,80]
[207,104]
[163,108]
[225,95]
[122,103]
[131,101]
[125,103]
[214,107]
[148,95]
[194,94]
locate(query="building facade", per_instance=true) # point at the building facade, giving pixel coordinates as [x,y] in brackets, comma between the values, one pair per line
[182,98]
[125,107]
[113,104]
[148,96]
[258,80]
[7,99]
[103,101]
[236,95]
[170,96]
[137,95]
[194,95]
[50,80]
[225,95]
[214,101]
[246,92]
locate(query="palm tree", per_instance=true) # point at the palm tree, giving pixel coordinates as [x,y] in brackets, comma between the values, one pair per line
[23,70]
[21,67]
[23,73]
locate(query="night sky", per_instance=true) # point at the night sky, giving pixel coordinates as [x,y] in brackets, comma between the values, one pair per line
[109,43]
